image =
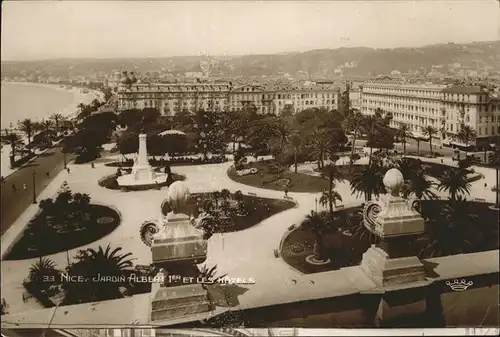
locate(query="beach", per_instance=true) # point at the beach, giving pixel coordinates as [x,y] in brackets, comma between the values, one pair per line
[46,99]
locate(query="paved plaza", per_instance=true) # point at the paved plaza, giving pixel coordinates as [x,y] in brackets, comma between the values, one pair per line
[247,253]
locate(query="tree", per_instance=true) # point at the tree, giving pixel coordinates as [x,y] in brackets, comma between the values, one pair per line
[373,127]
[352,123]
[15,141]
[208,274]
[175,144]
[295,143]
[47,127]
[419,185]
[42,271]
[225,194]
[182,119]
[57,118]
[331,197]
[403,133]
[331,172]
[466,134]
[238,196]
[453,231]
[455,182]
[318,225]
[128,143]
[129,117]
[429,131]
[495,160]
[80,206]
[27,126]
[368,181]
[91,263]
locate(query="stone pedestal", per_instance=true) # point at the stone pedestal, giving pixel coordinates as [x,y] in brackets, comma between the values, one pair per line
[168,303]
[387,272]
[177,248]
[179,242]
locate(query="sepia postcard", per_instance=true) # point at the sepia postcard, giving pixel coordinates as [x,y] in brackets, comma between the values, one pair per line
[250,168]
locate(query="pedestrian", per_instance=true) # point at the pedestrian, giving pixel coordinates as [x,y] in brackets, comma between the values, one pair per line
[441,160]
[485,185]
[25,187]
[47,174]
[14,188]
[92,165]
[67,169]
[286,191]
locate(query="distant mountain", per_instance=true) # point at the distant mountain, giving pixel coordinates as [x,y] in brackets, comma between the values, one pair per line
[321,63]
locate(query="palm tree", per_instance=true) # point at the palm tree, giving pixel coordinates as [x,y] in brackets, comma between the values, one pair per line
[429,131]
[331,197]
[453,231]
[372,125]
[28,127]
[44,273]
[331,172]
[318,225]
[454,181]
[403,133]
[15,141]
[467,134]
[352,123]
[368,181]
[208,274]
[408,167]
[47,127]
[57,117]
[92,263]
[419,185]
[295,143]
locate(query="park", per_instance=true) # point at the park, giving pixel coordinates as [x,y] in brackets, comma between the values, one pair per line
[288,201]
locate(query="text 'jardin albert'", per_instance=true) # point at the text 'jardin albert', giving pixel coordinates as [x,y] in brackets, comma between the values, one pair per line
[151,279]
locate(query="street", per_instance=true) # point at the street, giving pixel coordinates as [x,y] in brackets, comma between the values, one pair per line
[14,203]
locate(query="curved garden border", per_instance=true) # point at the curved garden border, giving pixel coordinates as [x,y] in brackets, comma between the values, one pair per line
[24,254]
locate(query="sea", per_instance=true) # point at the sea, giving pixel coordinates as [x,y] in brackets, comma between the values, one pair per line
[34,101]
[24,100]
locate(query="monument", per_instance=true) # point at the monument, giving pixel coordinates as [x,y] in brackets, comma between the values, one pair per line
[177,246]
[142,174]
[401,279]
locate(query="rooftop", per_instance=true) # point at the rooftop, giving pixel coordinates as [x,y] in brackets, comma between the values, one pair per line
[463,90]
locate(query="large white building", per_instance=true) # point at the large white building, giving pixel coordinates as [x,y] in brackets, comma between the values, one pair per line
[444,108]
[172,98]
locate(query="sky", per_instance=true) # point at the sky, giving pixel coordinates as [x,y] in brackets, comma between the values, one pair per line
[124,29]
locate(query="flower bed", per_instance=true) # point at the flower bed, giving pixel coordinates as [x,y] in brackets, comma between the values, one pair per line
[256,210]
[345,247]
[41,238]
[177,161]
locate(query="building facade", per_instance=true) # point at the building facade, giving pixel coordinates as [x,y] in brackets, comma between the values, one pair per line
[446,109]
[173,98]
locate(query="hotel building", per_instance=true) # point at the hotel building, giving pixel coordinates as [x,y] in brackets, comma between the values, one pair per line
[172,98]
[444,108]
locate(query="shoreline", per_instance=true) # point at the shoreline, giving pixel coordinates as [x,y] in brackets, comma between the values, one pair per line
[71,110]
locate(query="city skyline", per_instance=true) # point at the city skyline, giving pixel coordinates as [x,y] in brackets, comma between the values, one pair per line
[118,29]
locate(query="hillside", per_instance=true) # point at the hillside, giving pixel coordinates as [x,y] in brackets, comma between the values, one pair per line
[322,63]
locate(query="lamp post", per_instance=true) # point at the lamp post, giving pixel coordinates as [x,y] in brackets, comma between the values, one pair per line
[34,190]
[316,205]
[64,154]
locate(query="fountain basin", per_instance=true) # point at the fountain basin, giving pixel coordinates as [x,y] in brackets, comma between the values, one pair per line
[132,180]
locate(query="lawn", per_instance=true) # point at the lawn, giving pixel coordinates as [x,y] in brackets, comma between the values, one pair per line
[297,182]
[347,250]
[40,239]
[258,210]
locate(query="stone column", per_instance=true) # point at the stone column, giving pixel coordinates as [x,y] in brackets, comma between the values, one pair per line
[142,159]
